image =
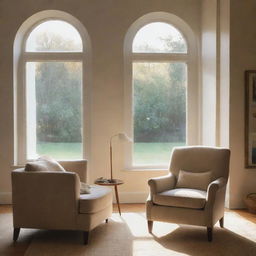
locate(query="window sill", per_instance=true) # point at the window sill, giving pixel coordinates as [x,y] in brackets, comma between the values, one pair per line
[146,169]
[17,166]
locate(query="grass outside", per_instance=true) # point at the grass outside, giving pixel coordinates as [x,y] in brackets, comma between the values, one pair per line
[143,153]
[60,150]
[153,153]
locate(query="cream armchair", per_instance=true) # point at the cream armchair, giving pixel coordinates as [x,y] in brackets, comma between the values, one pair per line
[52,200]
[202,207]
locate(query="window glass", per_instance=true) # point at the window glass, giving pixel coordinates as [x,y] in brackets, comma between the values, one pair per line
[54,109]
[159,37]
[159,111]
[54,36]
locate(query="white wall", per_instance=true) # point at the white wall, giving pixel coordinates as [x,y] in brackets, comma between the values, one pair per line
[228,49]
[224,74]
[215,75]
[209,72]
[106,22]
[223,106]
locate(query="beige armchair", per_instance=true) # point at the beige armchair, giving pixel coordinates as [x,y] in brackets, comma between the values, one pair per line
[202,207]
[52,200]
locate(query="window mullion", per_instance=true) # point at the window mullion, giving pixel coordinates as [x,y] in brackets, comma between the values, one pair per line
[49,56]
[162,57]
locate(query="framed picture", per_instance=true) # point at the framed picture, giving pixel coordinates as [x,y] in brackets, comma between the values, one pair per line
[250,119]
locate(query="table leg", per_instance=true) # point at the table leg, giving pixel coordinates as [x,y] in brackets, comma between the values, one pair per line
[117,200]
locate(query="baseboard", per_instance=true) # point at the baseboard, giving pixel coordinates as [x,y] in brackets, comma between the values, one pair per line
[5,197]
[132,197]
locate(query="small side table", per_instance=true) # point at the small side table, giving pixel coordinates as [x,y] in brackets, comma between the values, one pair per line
[115,183]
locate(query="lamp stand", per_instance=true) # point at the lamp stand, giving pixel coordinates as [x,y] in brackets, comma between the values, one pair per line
[111,164]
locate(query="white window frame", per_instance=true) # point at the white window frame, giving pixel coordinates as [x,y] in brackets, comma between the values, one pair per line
[190,58]
[21,57]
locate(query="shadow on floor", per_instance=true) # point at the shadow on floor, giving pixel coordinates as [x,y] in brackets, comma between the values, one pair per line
[128,236]
[192,241]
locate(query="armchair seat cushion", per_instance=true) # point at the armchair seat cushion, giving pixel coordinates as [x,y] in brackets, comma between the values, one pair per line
[181,197]
[99,198]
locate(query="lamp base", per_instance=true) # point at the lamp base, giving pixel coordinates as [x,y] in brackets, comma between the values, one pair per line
[102,180]
[112,180]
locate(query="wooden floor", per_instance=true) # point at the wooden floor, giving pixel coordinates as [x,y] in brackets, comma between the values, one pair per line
[8,248]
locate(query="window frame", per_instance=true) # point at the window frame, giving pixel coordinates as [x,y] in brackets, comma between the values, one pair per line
[190,58]
[23,57]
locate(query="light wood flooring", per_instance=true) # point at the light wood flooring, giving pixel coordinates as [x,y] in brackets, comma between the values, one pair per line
[8,248]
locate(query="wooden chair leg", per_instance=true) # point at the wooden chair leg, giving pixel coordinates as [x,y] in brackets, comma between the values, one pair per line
[86,237]
[106,220]
[16,233]
[221,222]
[209,234]
[150,226]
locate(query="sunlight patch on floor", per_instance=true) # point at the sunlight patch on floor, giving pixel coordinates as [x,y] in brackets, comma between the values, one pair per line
[137,224]
[243,227]
[117,218]
[162,228]
[151,248]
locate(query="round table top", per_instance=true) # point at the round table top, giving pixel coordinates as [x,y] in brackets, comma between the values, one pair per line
[109,182]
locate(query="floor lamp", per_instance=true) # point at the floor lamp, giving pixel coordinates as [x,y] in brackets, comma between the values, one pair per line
[121,136]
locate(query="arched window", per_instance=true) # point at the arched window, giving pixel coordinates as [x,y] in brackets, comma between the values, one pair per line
[50,108]
[159,37]
[157,70]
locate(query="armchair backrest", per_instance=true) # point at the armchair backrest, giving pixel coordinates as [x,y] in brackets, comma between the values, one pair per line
[47,200]
[77,166]
[201,159]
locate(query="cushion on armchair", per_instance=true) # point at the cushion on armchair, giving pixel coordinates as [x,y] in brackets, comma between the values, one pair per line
[97,200]
[84,188]
[49,164]
[181,197]
[194,180]
[44,164]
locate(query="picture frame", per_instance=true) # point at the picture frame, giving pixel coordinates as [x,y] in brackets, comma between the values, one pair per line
[250,119]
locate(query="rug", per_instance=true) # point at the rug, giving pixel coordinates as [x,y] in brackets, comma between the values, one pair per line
[127,235]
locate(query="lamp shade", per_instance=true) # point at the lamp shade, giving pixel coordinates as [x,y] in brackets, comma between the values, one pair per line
[123,136]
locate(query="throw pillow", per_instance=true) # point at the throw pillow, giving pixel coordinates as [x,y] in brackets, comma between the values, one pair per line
[84,188]
[194,180]
[44,164]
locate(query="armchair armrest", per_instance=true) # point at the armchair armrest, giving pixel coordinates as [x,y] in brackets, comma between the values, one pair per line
[213,187]
[215,201]
[44,199]
[162,183]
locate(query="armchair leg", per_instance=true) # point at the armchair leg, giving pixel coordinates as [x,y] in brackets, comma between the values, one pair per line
[221,222]
[209,234]
[150,226]
[86,237]
[16,233]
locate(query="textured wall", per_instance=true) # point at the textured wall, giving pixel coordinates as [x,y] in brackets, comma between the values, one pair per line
[242,57]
